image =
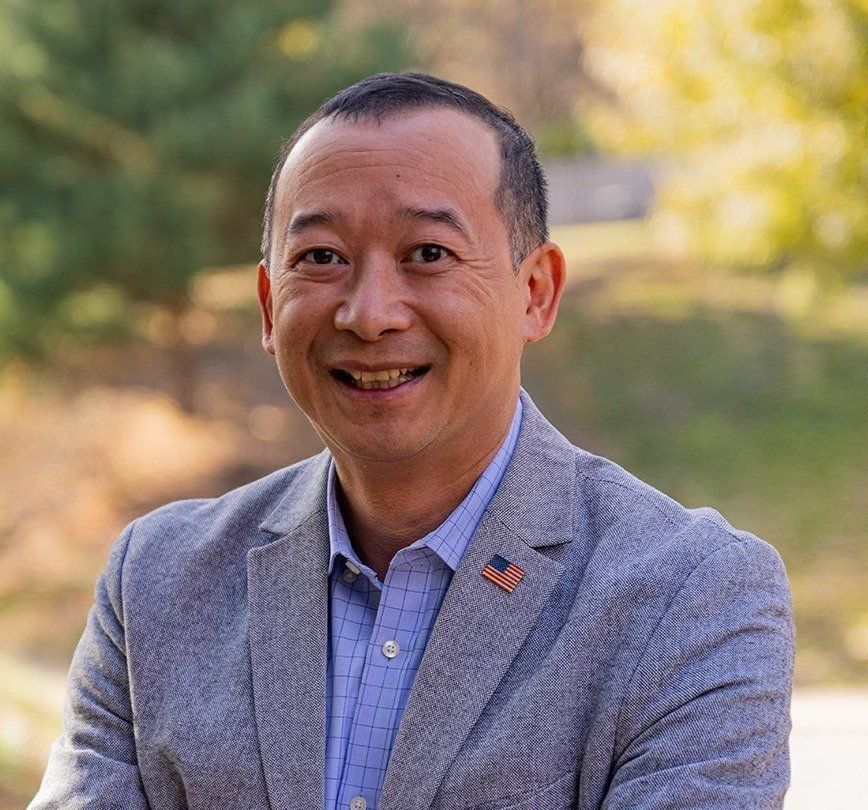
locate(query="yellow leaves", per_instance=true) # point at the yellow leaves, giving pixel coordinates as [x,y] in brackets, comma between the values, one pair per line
[755,104]
[299,39]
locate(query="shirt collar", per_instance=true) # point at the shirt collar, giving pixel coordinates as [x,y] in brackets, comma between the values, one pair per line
[449,540]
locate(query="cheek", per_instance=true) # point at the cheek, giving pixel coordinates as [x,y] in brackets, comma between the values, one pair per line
[483,330]
[298,317]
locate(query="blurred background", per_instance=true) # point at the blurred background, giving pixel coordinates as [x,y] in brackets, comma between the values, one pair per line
[709,184]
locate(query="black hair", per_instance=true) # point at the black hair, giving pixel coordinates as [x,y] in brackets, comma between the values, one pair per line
[521,192]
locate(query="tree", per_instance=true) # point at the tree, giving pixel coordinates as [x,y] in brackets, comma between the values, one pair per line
[136,141]
[760,110]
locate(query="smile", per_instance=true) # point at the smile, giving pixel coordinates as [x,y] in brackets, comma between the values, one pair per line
[383,379]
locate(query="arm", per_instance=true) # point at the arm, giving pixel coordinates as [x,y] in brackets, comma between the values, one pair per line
[706,718]
[93,762]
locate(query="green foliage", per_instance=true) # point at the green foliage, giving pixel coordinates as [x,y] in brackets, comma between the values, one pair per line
[136,141]
[760,110]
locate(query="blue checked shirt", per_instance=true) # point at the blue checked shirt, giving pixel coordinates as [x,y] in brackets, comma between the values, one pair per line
[378,632]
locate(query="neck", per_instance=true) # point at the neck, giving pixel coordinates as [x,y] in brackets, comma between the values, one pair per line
[388,506]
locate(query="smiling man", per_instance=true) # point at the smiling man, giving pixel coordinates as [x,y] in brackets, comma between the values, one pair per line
[451,606]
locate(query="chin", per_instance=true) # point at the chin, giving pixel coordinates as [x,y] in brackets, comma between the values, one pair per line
[380,448]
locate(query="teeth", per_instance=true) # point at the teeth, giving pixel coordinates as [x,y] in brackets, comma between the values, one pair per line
[388,378]
[379,376]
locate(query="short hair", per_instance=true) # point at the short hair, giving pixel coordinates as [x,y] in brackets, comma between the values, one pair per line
[521,194]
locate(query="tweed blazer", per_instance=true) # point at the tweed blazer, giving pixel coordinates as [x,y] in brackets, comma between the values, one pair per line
[643,661]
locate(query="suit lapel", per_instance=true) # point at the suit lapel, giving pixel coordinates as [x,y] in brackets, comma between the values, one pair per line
[288,635]
[478,632]
[480,627]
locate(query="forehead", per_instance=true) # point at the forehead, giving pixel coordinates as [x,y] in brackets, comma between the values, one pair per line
[437,155]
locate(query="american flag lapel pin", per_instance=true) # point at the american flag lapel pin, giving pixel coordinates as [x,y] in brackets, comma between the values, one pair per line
[503,573]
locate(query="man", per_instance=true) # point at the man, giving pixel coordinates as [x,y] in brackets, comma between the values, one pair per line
[451,606]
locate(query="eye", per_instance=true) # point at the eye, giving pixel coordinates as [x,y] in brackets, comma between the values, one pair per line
[322,256]
[428,254]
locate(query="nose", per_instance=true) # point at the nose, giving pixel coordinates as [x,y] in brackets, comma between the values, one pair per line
[374,304]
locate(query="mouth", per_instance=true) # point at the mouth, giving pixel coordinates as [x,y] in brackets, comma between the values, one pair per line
[379,380]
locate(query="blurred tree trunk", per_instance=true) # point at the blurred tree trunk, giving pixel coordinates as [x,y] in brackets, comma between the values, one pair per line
[181,357]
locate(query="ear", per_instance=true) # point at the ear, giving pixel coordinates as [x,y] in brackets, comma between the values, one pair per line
[543,275]
[263,284]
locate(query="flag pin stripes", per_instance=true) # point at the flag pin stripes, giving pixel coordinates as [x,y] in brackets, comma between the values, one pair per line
[503,573]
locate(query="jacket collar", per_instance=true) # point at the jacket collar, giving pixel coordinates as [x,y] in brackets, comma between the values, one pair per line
[302,495]
[536,497]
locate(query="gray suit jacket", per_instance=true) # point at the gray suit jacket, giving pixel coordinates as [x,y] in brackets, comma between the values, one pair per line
[644,660]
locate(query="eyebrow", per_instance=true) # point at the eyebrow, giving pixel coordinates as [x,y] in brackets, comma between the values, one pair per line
[308,219]
[446,216]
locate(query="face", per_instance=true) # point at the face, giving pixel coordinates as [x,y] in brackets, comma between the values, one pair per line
[391,304]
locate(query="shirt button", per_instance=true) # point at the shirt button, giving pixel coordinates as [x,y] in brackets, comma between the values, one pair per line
[350,572]
[358,803]
[390,649]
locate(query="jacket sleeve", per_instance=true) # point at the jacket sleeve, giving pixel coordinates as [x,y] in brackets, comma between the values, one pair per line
[92,764]
[706,718]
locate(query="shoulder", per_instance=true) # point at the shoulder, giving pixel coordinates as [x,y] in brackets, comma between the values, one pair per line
[208,533]
[671,582]
[644,544]
[244,504]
